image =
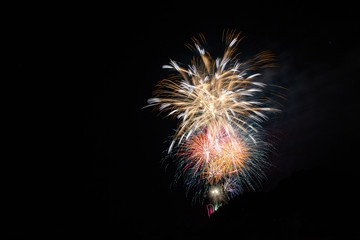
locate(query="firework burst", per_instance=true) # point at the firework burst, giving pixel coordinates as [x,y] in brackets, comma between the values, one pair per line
[211,157]
[220,90]
[220,104]
[216,153]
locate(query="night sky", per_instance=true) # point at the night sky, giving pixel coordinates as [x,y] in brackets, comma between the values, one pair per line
[86,156]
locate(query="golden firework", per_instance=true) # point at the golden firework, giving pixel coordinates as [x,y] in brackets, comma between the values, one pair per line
[220,90]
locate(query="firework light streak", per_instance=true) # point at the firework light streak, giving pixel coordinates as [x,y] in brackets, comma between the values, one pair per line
[220,105]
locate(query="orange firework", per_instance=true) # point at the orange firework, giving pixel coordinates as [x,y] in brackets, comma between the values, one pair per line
[215,154]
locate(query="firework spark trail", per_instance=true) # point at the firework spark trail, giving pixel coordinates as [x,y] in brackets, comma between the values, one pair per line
[220,105]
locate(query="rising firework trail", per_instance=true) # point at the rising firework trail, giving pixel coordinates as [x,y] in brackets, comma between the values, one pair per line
[220,104]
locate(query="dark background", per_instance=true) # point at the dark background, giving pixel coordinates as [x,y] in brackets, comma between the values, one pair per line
[86,158]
